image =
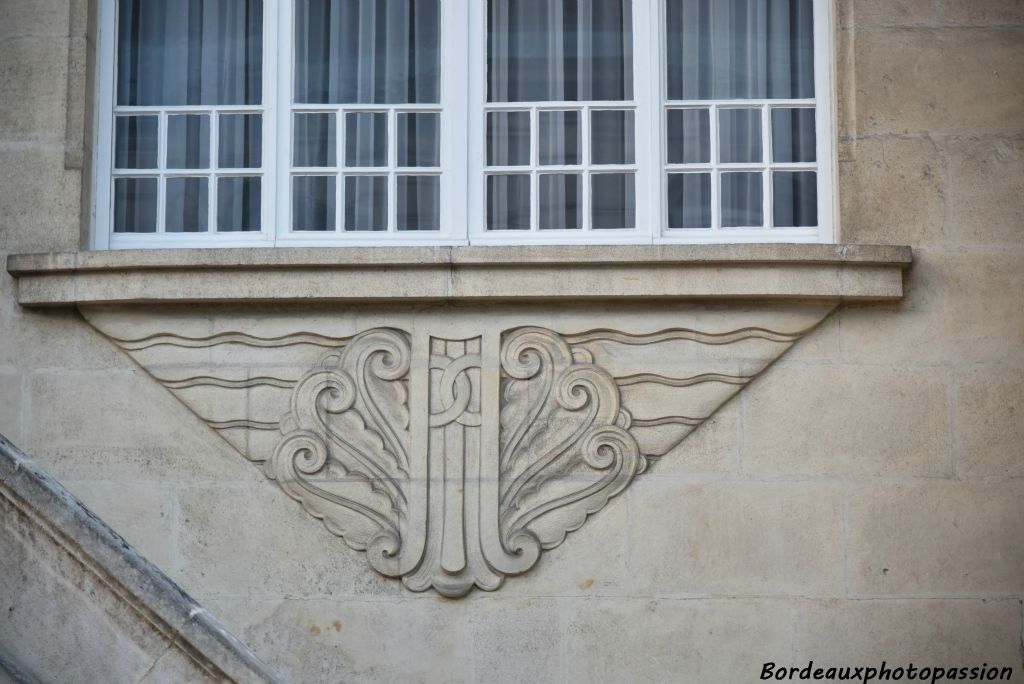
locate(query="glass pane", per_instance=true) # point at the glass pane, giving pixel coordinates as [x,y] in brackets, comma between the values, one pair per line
[366,203]
[508,139]
[419,139]
[560,138]
[561,205]
[135,205]
[136,142]
[740,49]
[187,205]
[366,139]
[795,199]
[739,136]
[189,52]
[613,200]
[240,142]
[611,137]
[559,50]
[508,202]
[238,204]
[689,136]
[188,141]
[313,204]
[742,200]
[367,51]
[316,140]
[689,200]
[793,135]
[419,203]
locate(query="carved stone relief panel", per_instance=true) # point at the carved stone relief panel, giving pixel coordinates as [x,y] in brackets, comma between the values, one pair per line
[454,445]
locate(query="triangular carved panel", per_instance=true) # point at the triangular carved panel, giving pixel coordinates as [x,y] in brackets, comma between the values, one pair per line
[455,445]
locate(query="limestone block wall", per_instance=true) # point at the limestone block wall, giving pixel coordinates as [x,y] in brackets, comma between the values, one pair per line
[862,500]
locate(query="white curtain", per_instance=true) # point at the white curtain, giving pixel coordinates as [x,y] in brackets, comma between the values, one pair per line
[190,52]
[367,51]
[559,50]
[737,49]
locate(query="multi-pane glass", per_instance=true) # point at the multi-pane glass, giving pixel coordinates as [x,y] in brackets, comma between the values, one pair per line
[560,115]
[366,113]
[188,117]
[740,132]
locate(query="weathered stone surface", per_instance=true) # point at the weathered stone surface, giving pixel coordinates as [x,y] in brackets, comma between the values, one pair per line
[144,514]
[215,518]
[735,539]
[35,18]
[944,633]
[352,640]
[986,191]
[938,538]
[40,198]
[934,81]
[974,13]
[33,71]
[957,311]
[990,422]
[701,640]
[867,13]
[78,599]
[118,426]
[526,632]
[848,421]
[892,192]
[11,401]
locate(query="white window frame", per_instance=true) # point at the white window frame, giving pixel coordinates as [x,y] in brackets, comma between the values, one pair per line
[463,103]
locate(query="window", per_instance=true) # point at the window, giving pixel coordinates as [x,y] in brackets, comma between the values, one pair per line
[334,122]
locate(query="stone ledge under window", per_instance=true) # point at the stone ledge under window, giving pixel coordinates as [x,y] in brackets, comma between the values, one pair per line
[470,274]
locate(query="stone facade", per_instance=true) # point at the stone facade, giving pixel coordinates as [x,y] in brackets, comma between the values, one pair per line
[861,500]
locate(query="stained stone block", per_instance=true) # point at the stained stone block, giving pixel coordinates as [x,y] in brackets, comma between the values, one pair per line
[145,515]
[939,632]
[848,421]
[36,17]
[985,197]
[121,426]
[353,640]
[990,12]
[735,538]
[990,422]
[936,538]
[528,633]
[11,401]
[873,13]
[34,83]
[957,311]
[216,518]
[651,641]
[892,192]
[939,81]
[41,199]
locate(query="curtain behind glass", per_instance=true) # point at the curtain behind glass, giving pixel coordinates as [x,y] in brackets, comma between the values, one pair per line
[367,51]
[189,52]
[559,50]
[740,49]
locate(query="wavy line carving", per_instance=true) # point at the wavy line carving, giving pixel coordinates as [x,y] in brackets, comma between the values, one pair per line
[669,420]
[175,340]
[686,334]
[211,381]
[642,378]
[242,423]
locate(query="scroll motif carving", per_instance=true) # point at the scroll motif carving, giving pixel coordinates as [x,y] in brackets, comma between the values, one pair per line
[456,462]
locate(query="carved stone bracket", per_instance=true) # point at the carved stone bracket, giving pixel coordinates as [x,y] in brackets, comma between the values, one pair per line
[455,446]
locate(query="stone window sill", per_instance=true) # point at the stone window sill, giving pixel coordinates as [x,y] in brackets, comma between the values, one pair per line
[439,274]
